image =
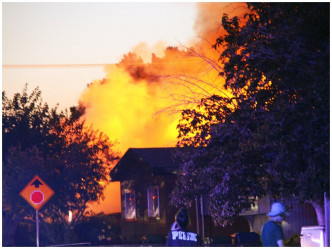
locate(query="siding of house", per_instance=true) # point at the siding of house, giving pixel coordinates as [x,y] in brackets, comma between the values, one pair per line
[301,215]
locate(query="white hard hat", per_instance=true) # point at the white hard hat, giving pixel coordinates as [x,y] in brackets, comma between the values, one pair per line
[277,208]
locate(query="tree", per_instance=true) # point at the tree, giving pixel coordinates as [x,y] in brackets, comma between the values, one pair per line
[72,158]
[275,141]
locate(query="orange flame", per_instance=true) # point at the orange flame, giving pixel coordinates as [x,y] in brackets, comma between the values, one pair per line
[138,103]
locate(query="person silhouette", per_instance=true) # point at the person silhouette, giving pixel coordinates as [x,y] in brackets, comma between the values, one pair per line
[179,235]
[272,233]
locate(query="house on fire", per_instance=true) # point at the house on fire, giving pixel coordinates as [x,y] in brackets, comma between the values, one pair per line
[147,177]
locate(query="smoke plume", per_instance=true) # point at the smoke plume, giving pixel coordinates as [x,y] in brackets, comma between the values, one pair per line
[139,101]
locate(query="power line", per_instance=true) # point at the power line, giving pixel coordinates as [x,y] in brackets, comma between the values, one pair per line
[31,66]
[14,66]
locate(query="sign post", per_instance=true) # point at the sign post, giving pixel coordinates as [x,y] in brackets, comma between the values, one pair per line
[37,228]
[37,193]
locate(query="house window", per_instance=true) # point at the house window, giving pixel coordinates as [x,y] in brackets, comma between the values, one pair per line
[130,204]
[153,202]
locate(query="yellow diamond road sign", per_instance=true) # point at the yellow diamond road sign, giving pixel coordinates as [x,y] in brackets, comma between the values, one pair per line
[37,193]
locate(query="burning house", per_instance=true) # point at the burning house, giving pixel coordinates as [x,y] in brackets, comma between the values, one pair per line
[147,177]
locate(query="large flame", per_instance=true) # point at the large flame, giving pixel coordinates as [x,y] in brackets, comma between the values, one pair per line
[124,108]
[139,102]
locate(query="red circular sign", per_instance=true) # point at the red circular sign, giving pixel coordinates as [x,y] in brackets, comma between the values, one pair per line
[37,197]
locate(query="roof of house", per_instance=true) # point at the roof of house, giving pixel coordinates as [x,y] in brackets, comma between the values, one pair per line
[154,161]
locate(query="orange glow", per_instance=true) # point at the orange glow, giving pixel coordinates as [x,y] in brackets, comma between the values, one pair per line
[112,203]
[139,102]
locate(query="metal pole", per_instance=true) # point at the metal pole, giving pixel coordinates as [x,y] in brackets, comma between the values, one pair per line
[327,221]
[202,213]
[197,218]
[37,228]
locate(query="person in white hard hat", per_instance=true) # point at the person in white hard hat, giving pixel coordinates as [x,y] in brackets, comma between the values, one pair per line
[272,233]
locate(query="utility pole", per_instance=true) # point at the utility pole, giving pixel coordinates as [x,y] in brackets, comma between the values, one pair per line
[202,214]
[197,218]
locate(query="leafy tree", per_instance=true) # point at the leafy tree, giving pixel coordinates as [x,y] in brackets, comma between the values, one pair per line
[73,159]
[26,121]
[195,124]
[275,141]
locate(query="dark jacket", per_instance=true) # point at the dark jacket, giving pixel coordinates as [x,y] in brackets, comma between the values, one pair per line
[182,237]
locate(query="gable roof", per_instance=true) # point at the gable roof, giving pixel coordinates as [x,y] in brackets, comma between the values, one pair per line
[154,161]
